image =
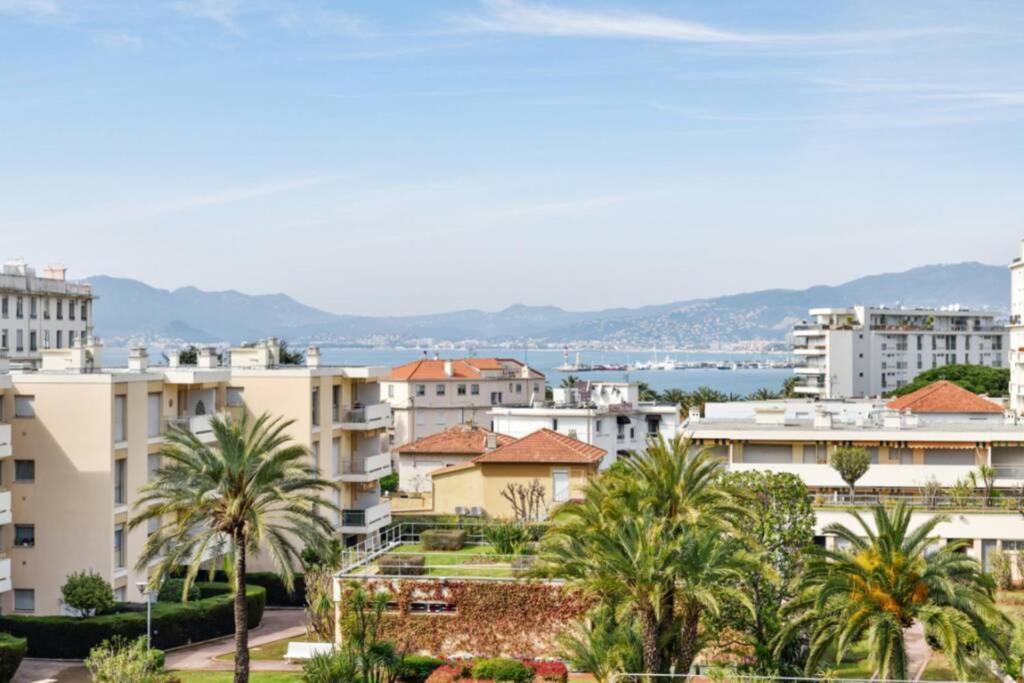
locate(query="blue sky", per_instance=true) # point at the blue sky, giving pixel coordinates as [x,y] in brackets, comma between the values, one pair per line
[398,157]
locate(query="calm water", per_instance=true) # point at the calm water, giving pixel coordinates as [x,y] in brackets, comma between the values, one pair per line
[728,381]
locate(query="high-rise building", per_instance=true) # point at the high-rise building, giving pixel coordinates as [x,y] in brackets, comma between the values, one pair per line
[1017,332]
[862,351]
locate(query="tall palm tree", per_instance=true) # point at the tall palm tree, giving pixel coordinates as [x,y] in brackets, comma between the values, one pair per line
[763,394]
[886,580]
[651,538]
[250,489]
[704,394]
[676,397]
[569,381]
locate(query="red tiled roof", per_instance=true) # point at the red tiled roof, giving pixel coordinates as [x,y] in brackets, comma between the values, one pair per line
[460,439]
[544,446]
[944,397]
[462,368]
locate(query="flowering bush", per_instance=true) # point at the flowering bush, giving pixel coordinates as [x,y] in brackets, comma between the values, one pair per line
[553,672]
[488,670]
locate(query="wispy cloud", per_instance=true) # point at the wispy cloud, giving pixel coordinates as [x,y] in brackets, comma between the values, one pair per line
[222,12]
[512,16]
[118,40]
[30,7]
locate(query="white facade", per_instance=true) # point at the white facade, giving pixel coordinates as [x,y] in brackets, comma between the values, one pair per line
[861,351]
[608,415]
[1017,332]
[40,312]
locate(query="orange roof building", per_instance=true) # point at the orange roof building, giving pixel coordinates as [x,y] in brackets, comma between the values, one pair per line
[453,446]
[945,397]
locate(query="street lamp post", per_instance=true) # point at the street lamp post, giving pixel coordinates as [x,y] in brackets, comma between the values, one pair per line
[148,594]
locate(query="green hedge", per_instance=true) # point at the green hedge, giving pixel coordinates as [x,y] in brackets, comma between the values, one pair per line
[173,625]
[12,651]
[277,596]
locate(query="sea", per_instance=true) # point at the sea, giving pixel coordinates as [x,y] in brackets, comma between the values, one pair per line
[741,381]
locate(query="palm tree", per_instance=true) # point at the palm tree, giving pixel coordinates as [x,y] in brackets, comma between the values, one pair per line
[251,488]
[763,394]
[569,381]
[652,539]
[702,395]
[886,580]
[789,387]
[676,397]
[645,391]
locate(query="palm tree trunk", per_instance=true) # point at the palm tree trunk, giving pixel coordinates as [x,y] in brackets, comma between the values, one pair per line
[241,612]
[649,639]
[688,638]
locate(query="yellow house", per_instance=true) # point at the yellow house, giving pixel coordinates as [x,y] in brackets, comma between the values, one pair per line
[559,463]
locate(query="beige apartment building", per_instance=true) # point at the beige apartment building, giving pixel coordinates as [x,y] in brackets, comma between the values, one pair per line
[430,395]
[77,441]
[44,311]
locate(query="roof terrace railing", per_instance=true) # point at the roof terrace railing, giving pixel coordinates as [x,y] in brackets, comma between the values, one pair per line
[1004,501]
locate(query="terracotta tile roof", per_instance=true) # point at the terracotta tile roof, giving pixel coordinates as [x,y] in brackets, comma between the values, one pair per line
[545,446]
[429,369]
[468,465]
[460,439]
[944,397]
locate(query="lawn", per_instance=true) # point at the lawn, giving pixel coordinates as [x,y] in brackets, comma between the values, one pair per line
[939,669]
[228,677]
[471,560]
[268,651]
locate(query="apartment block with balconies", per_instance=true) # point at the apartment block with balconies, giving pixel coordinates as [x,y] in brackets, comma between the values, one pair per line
[862,351]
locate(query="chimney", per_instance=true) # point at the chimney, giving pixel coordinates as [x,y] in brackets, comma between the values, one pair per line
[448,369]
[206,358]
[313,357]
[174,359]
[138,359]
[492,441]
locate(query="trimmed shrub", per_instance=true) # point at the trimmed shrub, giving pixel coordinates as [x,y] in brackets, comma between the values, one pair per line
[174,624]
[417,668]
[277,596]
[172,590]
[87,593]
[443,539]
[551,672]
[402,565]
[12,651]
[502,669]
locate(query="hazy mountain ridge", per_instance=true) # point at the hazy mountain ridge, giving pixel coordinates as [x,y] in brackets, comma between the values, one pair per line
[129,308]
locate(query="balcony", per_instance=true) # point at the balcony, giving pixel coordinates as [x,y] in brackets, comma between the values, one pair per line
[366,520]
[809,350]
[197,424]
[887,476]
[810,390]
[5,441]
[5,574]
[363,469]
[808,370]
[5,506]
[365,418]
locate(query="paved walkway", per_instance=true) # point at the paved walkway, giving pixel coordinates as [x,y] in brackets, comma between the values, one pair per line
[277,625]
[918,651]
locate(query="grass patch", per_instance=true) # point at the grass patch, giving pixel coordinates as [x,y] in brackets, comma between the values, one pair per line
[471,560]
[939,669]
[229,676]
[268,651]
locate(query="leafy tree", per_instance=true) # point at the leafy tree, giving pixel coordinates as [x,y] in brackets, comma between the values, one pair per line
[252,488]
[703,395]
[781,529]
[654,540]
[889,578]
[980,379]
[676,397]
[87,593]
[602,645]
[389,483]
[362,625]
[646,393]
[123,661]
[569,381]
[851,462]
[987,476]
[290,357]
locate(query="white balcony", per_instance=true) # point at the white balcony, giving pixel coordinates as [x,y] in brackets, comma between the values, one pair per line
[887,476]
[6,450]
[809,370]
[197,424]
[359,469]
[5,574]
[813,391]
[5,506]
[809,351]
[365,418]
[366,520]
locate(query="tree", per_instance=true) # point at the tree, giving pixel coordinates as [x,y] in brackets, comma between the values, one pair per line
[980,379]
[676,397]
[125,661]
[702,395]
[87,593]
[290,357]
[569,382]
[851,462]
[789,387]
[763,394]
[653,539]
[890,577]
[252,488]
[780,530]
[527,501]
[389,483]
[645,391]
[987,476]
[602,645]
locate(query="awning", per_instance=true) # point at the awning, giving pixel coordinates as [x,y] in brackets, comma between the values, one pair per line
[949,445]
[622,420]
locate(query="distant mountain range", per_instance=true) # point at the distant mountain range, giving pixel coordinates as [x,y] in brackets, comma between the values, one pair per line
[131,309]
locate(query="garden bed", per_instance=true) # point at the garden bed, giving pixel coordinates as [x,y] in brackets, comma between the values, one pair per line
[471,561]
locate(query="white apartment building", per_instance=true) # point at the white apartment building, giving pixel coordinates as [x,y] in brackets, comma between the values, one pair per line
[1017,332]
[40,312]
[863,351]
[430,395]
[78,441]
[609,415]
[941,433]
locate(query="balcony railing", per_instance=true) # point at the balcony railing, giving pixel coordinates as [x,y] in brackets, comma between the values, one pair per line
[366,520]
[378,412]
[1001,501]
[197,424]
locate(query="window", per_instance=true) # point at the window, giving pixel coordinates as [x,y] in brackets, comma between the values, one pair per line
[536,387]
[60,339]
[598,425]
[336,456]
[554,424]
[46,339]
[46,309]
[119,418]
[439,390]
[1013,546]
[19,308]
[71,310]
[120,481]
[33,343]
[496,398]
[152,465]
[119,546]
[4,310]
[33,307]
[71,339]
[20,346]
[421,389]
[85,308]
[24,600]
[3,339]
[391,391]
[519,388]
[336,402]
[474,389]
[24,471]
[236,397]
[24,406]
[460,389]
[314,454]
[316,406]
[25,535]
[153,414]
[560,486]
[60,309]
[121,594]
